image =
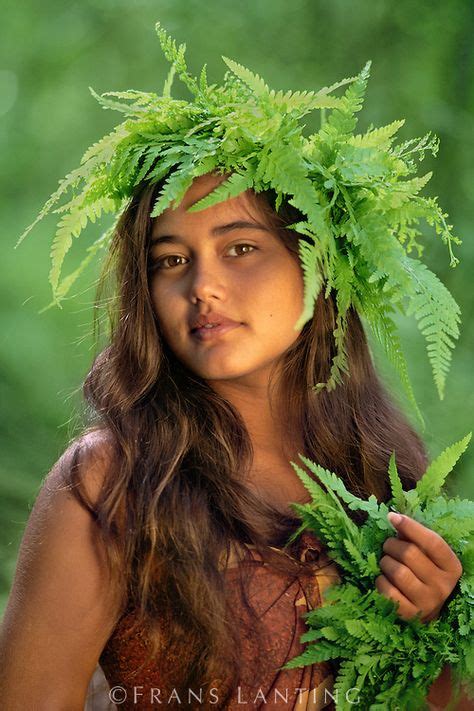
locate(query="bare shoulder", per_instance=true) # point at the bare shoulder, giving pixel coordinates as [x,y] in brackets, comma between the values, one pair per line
[62,606]
[93,454]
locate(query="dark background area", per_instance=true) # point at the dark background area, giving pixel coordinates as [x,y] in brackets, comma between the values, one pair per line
[422,70]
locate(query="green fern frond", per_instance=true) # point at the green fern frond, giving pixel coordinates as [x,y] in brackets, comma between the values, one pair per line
[65,285]
[103,150]
[412,187]
[378,317]
[253,81]
[342,122]
[175,186]
[71,180]
[140,98]
[344,282]
[340,362]
[437,219]
[337,85]
[148,159]
[309,254]
[106,103]
[169,82]
[302,102]
[429,486]
[395,483]
[418,147]
[438,316]
[334,486]
[236,184]
[176,56]
[377,138]
[71,225]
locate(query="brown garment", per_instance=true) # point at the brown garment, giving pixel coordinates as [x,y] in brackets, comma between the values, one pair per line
[280,603]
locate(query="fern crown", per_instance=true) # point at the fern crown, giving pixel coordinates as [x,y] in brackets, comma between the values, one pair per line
[359,194]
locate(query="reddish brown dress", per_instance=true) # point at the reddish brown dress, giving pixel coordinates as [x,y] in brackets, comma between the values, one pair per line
[281,603]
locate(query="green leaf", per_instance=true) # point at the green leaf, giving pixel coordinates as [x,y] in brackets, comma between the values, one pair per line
[253,81]
[429,486]
[395,483]
[236,184]
[438,316]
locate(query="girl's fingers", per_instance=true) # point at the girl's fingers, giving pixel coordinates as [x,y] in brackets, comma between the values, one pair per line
[404,580]
[413,558]
[430,542]
[406,609]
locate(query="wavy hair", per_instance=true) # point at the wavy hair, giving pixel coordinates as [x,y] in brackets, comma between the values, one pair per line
[174,498]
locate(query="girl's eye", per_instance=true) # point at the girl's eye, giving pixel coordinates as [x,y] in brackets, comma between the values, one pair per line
[163,263]
[234,246]
[159,264]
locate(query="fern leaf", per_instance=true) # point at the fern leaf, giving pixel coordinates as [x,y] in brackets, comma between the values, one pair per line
[148,159]
[377,138]
[236,184]
[106,103]
[71,225]
[308,254]
[302,102]
[332,483]
[103,150]
[384,329]
[438,316]
[175,55]
[65,285]
[175,186]
[253,81]
[429,486]
[169,81]
[339,363]
[68,182]
[395,483]
[341,122]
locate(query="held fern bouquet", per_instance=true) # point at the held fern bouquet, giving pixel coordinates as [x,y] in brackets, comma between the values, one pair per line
[390,662]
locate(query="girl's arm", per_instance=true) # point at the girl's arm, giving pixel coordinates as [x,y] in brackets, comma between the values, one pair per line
[61,609]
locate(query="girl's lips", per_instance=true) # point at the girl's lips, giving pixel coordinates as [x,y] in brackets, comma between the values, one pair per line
[205,334]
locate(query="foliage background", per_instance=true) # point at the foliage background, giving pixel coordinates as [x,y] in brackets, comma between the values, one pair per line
[423,70]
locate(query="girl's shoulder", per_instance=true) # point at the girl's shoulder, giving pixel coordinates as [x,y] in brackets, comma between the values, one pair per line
[62,606]
[86,462]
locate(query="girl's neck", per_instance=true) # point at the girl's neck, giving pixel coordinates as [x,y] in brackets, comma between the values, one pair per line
[264,418]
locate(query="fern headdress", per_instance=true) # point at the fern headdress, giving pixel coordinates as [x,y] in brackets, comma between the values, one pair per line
[359,193]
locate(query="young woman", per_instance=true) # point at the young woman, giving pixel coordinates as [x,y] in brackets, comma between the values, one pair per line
[156,546]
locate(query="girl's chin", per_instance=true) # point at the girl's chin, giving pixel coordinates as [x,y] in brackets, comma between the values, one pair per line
[214,368]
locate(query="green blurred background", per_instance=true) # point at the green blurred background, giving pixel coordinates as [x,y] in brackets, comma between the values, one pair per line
[423,70]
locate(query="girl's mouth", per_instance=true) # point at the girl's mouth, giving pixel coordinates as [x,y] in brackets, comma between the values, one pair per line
[208,332]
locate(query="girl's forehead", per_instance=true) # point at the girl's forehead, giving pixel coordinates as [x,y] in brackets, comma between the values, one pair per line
[243,207]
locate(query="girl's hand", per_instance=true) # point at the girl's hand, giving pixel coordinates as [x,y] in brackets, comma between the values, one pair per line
[419,569]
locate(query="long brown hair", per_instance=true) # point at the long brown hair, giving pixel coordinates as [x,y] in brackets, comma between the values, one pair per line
[174,498]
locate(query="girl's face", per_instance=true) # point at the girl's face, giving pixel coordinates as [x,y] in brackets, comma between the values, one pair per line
[224,261]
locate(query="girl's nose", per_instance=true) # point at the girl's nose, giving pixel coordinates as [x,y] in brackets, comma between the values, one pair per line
[206,281]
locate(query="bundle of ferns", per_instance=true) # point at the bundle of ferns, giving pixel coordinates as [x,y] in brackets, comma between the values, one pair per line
[386,662]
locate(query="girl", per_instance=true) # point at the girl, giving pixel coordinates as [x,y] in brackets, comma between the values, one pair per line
[156,546]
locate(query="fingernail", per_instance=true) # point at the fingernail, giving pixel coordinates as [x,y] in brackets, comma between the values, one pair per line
[394,518]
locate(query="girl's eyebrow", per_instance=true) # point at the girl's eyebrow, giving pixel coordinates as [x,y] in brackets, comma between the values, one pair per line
[218,230]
